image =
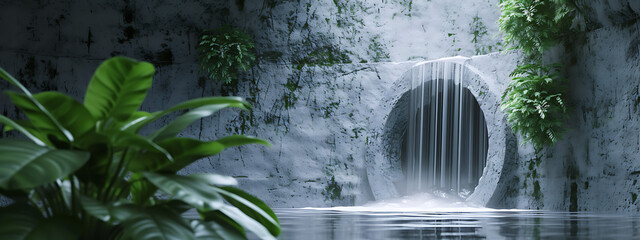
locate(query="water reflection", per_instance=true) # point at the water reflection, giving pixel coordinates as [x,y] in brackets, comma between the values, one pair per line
[343,223]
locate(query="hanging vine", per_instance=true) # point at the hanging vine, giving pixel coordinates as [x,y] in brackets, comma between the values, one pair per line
[535,100]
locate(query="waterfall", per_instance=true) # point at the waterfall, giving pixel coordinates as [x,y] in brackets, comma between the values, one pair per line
[445,146]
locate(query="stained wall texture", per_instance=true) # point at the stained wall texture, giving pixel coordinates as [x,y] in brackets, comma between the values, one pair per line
[324,85]
[322,71]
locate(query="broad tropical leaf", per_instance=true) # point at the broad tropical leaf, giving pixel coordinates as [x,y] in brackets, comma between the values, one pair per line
[96,209]
[6,76]
[184,151]
[124,139]
[181,122]
[64,110]
[252,207]
[239,140]
[95,170]
[195,190]
[153,223]
[141,189]
[58,227]
[224,220]
[214,230]
[247,222]
[13,125]
[25,165]
[70,113]
[141,119]
[118,88]
[37,106]
[187,150]
[18,220]
[39,116]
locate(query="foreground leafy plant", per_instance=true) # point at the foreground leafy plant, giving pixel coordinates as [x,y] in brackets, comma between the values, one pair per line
[87,173]
[225,51]
[534,104]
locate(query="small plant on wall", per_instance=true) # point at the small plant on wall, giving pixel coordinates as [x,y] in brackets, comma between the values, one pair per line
[225,51]
[84,170]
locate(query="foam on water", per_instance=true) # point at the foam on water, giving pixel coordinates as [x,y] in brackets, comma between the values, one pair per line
[419,203]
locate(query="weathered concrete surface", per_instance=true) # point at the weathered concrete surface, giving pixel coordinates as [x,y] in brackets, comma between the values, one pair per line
[324,67]
[601,154]
[595,167]
[325,84]
[607,13]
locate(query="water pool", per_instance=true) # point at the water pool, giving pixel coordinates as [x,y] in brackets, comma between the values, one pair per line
[342,223]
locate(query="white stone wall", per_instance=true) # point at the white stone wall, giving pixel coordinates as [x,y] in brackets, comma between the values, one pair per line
[327,75]
[324,67]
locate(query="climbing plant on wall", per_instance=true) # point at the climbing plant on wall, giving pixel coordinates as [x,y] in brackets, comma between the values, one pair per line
[535,103]
[534,26]
[535,100]
[224,51]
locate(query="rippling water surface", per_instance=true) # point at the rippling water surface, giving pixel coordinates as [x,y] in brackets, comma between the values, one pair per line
[404,219]
[337,224]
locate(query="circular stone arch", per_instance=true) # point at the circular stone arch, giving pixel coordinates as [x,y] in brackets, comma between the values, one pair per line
[383,157]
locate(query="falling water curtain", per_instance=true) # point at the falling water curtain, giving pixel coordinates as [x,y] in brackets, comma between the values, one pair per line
[446,137]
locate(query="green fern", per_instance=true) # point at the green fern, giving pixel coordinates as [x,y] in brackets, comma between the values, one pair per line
[535,105]
[535,25]
[225,51]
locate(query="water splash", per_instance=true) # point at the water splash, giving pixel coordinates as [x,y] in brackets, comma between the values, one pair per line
[422,202]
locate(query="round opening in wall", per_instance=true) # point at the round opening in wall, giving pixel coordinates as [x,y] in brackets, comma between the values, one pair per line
[445,141]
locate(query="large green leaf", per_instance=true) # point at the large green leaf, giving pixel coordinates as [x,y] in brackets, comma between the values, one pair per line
[247,222]
[195,190]
[153,223]
[96,169]
[18,220]
[184,152]
[14,125]
[60,110]
[187,150]
[37,106]
[96,209]
[25,165]
[181,122]
[141,119]
[21,221]
[6,76]
[214,230]
[239,140]
[134,123]
[39,116]
[58,227]
[141,189]
[124,139]
[70,113]
[224,220]
[252,207]
[118,88]
[199,102]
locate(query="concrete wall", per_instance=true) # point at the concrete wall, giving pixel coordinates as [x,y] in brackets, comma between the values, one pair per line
[323,68]
[325,84]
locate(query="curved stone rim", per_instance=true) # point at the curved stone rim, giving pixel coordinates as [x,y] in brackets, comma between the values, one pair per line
[383,167]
